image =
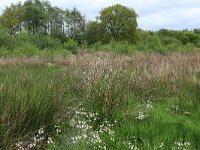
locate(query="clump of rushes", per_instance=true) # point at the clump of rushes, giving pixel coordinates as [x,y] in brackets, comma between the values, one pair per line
[29,100]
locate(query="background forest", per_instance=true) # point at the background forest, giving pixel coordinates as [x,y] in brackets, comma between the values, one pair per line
[37,27]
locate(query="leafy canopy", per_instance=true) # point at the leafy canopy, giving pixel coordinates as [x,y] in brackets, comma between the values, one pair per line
[119,23]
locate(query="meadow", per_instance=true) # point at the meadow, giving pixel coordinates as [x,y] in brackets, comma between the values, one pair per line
[100,100]
[68,83]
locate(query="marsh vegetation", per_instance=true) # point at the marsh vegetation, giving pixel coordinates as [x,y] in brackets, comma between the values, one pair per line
[100,101]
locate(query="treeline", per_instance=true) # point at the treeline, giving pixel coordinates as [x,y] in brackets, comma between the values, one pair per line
[35,16]
[43,26]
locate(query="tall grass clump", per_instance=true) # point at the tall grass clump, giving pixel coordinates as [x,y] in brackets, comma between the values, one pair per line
[29,101]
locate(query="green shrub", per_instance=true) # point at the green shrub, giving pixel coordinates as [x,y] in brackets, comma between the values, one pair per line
[96,46]
[71,45]
[39,41]
[43,42]
[118,47]
[6,40]
[4,52]
[26,49]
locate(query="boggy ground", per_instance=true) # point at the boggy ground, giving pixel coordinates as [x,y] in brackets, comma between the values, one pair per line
[100,101]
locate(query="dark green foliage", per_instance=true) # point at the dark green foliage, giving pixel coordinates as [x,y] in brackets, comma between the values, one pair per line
[34,15]
[6,40]
[38,40]
[119,23]
[93,33]
[45,42]
[39,17]
[189,37]
[197,31]
[38,24]
[11,19]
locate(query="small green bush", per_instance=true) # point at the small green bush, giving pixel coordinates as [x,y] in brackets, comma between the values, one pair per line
[26,49]
[4,52]
[40,41]
[6,40]
[71,45]
[43,42]
[96,46]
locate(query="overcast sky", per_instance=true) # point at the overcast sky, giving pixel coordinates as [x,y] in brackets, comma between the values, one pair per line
[153,14]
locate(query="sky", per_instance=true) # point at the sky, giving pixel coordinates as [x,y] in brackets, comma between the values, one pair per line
[153,14]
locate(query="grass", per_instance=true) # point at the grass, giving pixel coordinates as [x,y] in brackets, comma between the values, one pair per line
[100,100]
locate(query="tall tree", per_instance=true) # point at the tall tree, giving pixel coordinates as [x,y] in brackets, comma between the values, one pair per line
[56,21]
[75,24]
[93,32]
[34,15]
[119,23]
[11,18]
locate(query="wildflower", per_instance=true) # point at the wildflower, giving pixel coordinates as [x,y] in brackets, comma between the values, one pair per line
[31,145]
[161,145]
[58,131]
[19,146]
[149,104]
[40,131]
[50,141]
[104,147]
[181,144]
[140,116]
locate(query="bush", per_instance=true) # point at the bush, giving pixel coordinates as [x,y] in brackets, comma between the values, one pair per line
[4,52]
[6,40]
[96,46]
[26,49]
[40,41]
[71,45]
[43,42]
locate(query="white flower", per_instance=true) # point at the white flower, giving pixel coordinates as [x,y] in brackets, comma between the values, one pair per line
[50,140]
[58,131]
[32,145]
[140,116]
[161,145]
[41,131]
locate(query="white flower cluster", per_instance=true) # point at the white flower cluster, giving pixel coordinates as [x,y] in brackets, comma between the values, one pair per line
[140,115]
[57,127]
[181,144]
[19,146]
[32,142]
[37,139]
[149,104]
[160,146]
[83,121]
[132,147]
[50,140]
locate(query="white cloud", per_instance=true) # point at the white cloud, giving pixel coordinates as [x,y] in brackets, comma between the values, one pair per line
[154,14]
[176,19]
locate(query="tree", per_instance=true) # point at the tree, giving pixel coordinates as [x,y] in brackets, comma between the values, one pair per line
[197,31]
[56,22]
[119,23]
[34,15]
[11,18]
[75,24]
[93,32]
[189,37]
